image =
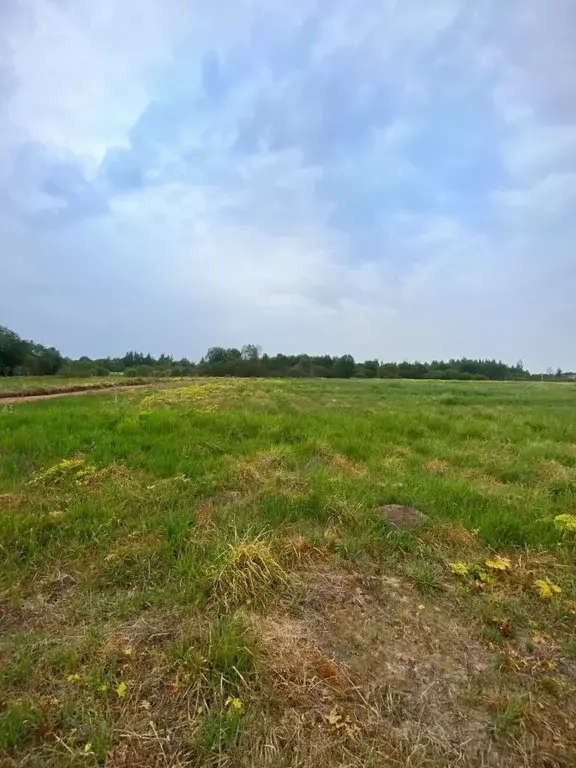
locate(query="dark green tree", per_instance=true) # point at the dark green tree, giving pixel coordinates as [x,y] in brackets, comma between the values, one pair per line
[43,361]
[13,351]
[344,367]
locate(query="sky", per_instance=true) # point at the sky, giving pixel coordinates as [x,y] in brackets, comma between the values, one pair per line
[394,179]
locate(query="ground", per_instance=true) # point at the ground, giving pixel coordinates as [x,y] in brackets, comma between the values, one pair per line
[211,574]
[12,388]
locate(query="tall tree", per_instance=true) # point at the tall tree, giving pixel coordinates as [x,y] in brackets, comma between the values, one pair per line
[13,351]
[344,367]
[250,352]
[43,361]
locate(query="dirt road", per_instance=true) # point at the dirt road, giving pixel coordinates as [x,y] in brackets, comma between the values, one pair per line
[11,399]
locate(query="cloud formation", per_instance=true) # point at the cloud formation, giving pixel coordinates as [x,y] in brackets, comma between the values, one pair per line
[393,179]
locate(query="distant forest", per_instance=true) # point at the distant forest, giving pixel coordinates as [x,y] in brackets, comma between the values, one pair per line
[20,357]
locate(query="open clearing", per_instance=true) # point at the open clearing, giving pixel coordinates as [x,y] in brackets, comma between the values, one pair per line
[202,575]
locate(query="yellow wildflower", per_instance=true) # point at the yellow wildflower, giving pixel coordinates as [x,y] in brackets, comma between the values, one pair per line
[546,589]
[235,704]
[565,522]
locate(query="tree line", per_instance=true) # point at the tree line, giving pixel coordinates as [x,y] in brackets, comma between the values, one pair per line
[19,356]
[22,357]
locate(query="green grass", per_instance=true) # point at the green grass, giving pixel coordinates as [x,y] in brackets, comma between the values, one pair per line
[141,533]
[426,578]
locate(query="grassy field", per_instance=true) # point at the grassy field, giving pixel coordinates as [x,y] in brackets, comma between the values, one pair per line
[202,575]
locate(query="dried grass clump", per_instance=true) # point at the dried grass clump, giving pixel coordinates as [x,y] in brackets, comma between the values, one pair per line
[247,573]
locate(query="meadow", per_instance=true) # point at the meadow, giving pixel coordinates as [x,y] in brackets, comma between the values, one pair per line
[206,574]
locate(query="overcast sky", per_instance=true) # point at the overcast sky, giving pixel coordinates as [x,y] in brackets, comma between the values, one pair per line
[393,178]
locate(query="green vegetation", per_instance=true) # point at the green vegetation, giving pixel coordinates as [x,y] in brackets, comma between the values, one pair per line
[20,356]
[202,574]
[26,358]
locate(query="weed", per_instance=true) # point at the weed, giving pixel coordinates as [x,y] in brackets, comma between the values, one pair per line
[231,653]
[569,648]
[492,635]
[392,701]
[220,732]
[426,577]
[507,714]
[186,657]
[18,723]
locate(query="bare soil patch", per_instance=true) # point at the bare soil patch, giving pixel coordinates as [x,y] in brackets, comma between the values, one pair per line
[368,672]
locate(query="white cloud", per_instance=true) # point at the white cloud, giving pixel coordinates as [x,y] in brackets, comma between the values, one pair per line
[388,27]
[547,201]
[80,75]
[238,248]
[534,150]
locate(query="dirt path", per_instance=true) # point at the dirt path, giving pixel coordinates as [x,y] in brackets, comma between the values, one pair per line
[10,399]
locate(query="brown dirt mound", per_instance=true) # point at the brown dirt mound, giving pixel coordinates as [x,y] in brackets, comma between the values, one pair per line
[402,518]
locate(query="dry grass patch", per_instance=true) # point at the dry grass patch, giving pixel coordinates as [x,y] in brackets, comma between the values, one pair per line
[449,540]
[247,573]
[299,667]
[438,467]
[11,500]
[555,471]
[273,471]
[369,672]
[347,466]
[326,456]
[203,521]
[261,468]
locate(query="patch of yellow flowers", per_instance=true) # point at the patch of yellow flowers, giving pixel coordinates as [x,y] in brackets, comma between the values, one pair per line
[74,468]
[481,573]
[546,588]
[566,523]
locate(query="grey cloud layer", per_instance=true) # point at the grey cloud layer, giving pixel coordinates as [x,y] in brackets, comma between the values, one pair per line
[395,180]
